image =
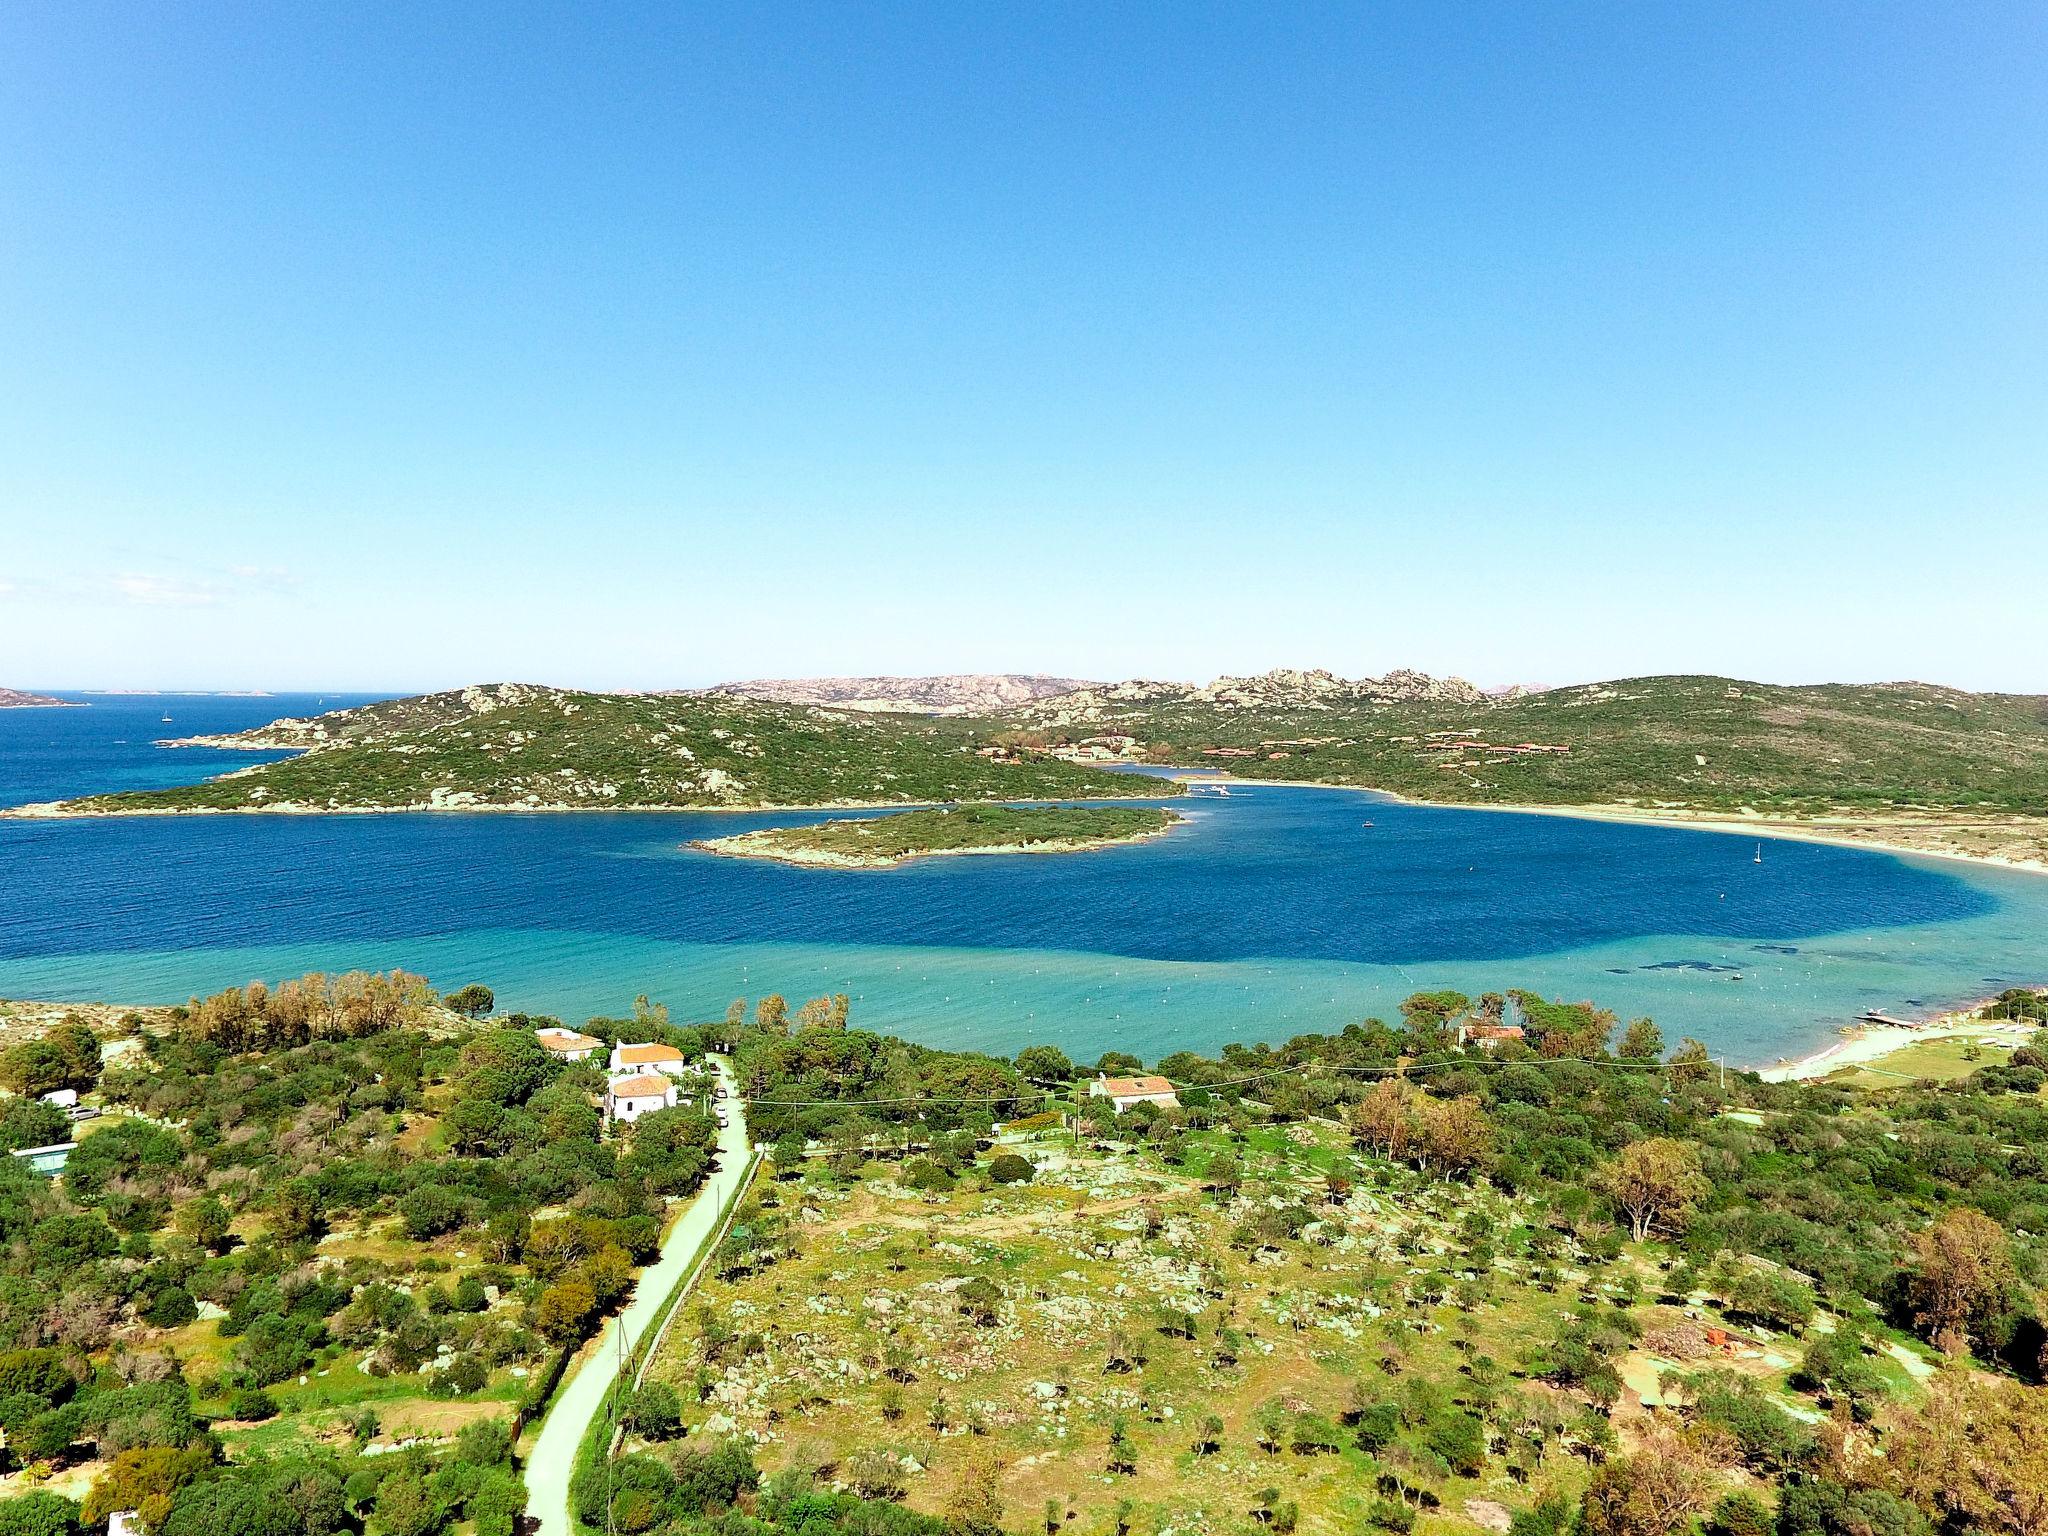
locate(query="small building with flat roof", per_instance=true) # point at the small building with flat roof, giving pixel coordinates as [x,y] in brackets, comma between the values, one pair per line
[567,1044]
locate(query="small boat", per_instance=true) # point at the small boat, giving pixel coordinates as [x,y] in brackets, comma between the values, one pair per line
[1365,823]
[1759,853]
[166,720]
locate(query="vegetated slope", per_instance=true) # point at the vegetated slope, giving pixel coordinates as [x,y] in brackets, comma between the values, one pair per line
[1320,1297]
[304,1226]
[1705,743]
[973,693]
[519,746]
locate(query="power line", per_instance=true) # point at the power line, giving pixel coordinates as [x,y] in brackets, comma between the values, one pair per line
[1306,1069]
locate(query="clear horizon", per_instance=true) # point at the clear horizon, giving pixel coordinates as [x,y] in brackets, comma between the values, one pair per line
[381,350]
[406,691]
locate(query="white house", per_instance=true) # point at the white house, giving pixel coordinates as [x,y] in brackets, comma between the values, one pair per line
[628,1098]
[567,1044]
[651,1058]
[1123,1092]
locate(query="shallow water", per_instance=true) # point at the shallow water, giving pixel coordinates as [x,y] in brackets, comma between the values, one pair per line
[1276,910]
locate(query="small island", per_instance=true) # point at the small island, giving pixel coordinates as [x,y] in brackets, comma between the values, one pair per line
[880,842]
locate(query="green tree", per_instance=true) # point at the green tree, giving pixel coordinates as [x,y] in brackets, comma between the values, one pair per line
[564,1308]
[1046,1064]
[1642,1041]
[1657,1179]
[38,1514]
[1964,1278]
[655,1412]
[1009,1168]
[206,1222]
[473,1001]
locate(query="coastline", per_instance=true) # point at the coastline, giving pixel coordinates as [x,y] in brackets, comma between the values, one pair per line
[738,847]
[1864,1045]
[1837,834]
[64,810]
[1682,820]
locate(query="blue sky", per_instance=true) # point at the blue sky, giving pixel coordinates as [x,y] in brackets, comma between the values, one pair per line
[403,346]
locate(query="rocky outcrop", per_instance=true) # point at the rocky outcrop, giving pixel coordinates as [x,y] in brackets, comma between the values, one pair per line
[341,726]
[963,693]
[14,698]
[1282,688]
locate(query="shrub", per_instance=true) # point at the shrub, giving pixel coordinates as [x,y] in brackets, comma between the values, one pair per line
[1739,1514]
[171,1307]
[655,1412]
[252,1405]
[1460,1440]
[429,1211]
[38,1514]
[1009,1168]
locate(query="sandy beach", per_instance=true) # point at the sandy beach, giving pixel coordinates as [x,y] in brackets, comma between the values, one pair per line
[1867,1044]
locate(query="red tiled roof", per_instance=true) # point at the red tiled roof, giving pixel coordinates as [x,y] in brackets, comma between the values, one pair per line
[647,1055]
[1134,1087]
[649,1085]
[566,1040]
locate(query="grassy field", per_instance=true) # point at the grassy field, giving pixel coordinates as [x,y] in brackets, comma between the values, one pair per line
[1937,1061]
[886,840]
[1081,1330]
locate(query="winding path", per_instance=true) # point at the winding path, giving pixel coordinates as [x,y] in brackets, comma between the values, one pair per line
[553,1460]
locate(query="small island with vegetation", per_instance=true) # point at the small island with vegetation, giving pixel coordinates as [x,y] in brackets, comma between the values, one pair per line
[881,842]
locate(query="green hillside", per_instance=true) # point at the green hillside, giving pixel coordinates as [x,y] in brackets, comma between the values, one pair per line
[1703,743]
[515,746]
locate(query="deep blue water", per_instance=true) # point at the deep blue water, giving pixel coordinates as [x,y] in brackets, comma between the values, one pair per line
[1275,910]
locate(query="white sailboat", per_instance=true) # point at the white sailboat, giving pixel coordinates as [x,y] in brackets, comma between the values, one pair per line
[1759,853]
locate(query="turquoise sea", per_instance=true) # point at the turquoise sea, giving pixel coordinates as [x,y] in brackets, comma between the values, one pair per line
[1276,910]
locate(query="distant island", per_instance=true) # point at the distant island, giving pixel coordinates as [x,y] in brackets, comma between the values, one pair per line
[881,842]
[14,698]
[1909,766]
[522,747]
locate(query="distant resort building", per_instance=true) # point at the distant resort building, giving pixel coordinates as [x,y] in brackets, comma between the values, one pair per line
[567,1044]
[648,1057]
[1488,1036]
[628,1098]
[1126,1092]
[1499,748]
